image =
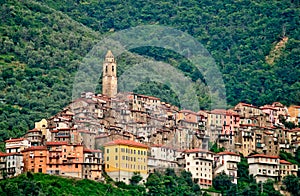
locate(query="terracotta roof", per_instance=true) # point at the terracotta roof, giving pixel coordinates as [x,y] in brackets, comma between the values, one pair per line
[2,154]
[285,162]
[232,113]
[33,148]
[33,130]
[263,155]
[295,106]
[266,107]
[228,153]
[218,111]
[56,143]
[149,97]
[268,133]
[15,140]
[65,129]
[187,111]
[156,145]
[126,143]
[248,105]
[295,130]
[247,125]
[197,150]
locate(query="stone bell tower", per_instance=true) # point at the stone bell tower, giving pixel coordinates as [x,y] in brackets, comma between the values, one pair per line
[109,78]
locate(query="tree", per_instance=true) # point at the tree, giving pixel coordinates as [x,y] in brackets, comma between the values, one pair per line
[154,184]
[222,182]
[297,155]
[268,188]
[215,148]
[136,178]
[292,184]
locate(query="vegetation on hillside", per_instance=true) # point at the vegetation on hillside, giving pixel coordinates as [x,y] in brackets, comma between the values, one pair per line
[42,43]
[157,184]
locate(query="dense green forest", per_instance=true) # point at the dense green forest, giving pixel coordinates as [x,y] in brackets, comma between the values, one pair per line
[157,184]
[42,43]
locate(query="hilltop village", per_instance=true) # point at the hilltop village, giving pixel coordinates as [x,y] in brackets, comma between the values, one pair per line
[124,133]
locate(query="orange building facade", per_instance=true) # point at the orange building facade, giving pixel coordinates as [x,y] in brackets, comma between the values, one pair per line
[61,158]
[35,159]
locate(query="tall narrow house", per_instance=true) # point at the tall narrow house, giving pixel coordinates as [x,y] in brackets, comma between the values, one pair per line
[109,79]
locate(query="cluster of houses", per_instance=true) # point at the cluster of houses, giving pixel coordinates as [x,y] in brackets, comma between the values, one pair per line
[124,133]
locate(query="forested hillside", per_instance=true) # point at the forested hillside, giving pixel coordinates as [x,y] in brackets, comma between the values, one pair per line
[43,41]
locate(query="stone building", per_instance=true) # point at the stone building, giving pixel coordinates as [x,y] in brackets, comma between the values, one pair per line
[3,157]
[286,168]
[200,163]
[227,162]
[92,164]
[264,167]
[109,79]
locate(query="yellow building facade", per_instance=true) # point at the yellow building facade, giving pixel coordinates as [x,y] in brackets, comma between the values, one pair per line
[124,157]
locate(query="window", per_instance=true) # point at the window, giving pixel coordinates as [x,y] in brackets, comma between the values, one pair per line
[116,158]
[107,151]
[116,149]
[76,165]
[107,158]
[113,68]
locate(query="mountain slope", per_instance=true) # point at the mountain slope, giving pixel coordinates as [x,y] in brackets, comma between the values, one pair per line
[40,50]
[43,41]
[238,34]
